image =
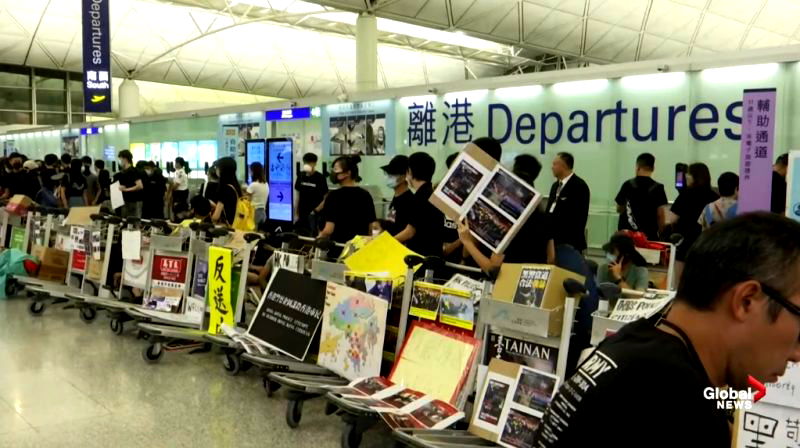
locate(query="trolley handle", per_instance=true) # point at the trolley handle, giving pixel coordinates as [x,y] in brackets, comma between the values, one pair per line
[574,288]
[287,237]
[251,237]
[218,232]
[161,224]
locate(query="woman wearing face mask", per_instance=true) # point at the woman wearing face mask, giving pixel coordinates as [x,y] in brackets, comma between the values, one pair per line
[349,210]
[624,265]
[228,192]
[311,189]
[155,188]
[402,205]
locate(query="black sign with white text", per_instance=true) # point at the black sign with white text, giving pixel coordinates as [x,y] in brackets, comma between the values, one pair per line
[96,56]
[289,313]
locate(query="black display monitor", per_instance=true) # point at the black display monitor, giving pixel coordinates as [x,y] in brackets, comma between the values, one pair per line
[255,151]
[280,155]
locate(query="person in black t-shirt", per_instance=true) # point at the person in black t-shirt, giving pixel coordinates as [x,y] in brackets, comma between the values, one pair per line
[131,186]
[641,200]
[778,202]
[348,210]
[736,314]
[155,187]
[534,241]
[402,205]
[423,234]
[228,192]
[688,207]
[311,190]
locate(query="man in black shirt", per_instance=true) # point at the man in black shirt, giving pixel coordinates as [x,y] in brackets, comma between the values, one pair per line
[402,204]
[131,186]
[736,314]
[641,200]
[311,190]
[778,203]
[423,234]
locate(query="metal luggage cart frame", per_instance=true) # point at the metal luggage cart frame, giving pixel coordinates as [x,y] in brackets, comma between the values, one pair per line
[162,330]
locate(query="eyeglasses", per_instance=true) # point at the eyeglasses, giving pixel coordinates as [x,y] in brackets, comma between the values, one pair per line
[773,294]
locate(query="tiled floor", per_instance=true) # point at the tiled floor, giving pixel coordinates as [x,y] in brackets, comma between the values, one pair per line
[64,383]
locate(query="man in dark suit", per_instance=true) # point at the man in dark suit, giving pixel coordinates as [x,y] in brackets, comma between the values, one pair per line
[568,203]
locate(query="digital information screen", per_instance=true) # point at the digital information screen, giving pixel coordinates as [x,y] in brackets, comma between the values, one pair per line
[280,180]
[255,151]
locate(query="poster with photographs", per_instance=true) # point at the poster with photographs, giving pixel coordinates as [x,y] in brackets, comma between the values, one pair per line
[425,300]
[457,309]
[235,135]
[494,201]
[364,387]
[531,286]
[71,145]
[519,429]
[360,134]
[379,284]
[492,401]
[535,389]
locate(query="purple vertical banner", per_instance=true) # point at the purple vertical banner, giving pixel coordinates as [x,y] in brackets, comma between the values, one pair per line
[758,136]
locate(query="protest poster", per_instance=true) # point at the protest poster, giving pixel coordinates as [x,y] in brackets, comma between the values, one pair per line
[200,278]
[786,391]
[629,310]
[767,425]
[457,309]
[377,284]
[425,299]
[219,289]
[289,313]
[353,330]
[531,286]
[464,283]
[167,283]
[526,353]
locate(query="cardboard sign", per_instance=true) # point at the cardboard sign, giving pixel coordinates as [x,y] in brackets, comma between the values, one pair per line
[219,289]
[518,351]
[531,286]
[81,216]
[495,202]
[353,330]
[289,313]
[512,284]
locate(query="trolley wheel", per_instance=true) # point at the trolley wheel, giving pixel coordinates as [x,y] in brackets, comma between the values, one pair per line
[330,408]
[152,353]
[36,308]
[351,438]
[271,387]
[232,364]
[294,412]
[87,314]
[12,288]
[117,327]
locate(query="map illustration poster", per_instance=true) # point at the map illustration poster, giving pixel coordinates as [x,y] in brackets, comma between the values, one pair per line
[353,329]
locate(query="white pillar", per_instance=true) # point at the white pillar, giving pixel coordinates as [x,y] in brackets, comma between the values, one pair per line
[128,99]
[366,52]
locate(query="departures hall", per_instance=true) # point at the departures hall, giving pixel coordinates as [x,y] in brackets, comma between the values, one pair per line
[400,223]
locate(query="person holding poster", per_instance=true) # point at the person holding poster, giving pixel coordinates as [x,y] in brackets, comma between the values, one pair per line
[736,315]
[424,232]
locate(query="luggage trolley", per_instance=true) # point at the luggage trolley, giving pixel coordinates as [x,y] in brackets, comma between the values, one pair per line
[40,219]
[191,326]
[358,418]
[302,370]
[528,323]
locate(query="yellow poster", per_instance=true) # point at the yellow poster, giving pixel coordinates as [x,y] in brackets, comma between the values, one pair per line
[382,254]
[219,289]
[456,308]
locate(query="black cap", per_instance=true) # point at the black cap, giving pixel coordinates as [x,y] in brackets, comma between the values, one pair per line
[398,165]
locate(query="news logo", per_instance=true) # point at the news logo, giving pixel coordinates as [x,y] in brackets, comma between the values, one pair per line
[729,399]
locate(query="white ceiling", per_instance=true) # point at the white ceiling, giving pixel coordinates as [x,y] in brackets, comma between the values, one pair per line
[294,48]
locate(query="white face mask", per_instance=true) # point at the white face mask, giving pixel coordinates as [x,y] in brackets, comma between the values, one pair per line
[308,169]
[376,232]
[392,181]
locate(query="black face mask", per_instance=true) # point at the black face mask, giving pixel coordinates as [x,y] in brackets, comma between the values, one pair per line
[335,178]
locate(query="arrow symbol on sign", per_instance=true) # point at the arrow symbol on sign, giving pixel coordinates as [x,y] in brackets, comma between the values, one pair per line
[280,157]
[280,196]
[761,390]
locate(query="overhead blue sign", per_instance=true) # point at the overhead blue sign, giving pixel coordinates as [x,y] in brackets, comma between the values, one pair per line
[298,113]
[96,56]
[90,131]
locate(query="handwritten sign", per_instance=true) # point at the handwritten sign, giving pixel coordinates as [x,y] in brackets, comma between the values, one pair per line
[785,392]
[768,426]
[629,310]
[219,289]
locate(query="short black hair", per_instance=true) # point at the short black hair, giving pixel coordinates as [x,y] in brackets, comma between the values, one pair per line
[66,158]
[200,205]
[728,182]
[86,160]
[527,167]
[646,161]
[700,175]
[100,164]
[310,157]
[422,166]
[568,159]
[755,246]
[50,159]
[489,146]
[783,159]
[448,162]
[125,154]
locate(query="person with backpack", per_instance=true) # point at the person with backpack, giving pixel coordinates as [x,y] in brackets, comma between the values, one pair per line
[641,200]
[726,206]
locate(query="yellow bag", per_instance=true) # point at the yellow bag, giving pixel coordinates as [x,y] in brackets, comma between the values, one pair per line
[245,215]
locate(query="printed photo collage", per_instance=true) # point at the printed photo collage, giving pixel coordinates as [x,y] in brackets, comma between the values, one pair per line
[509,409]
[400,407]
[451,306]
[494,201]
[376,284]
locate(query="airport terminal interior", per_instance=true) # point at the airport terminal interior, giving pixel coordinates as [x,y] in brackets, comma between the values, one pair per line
[399,223]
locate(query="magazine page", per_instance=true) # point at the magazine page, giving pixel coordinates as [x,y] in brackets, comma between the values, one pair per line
[462,183]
